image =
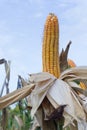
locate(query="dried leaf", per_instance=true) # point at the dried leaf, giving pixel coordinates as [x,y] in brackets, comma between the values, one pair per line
[2,61]
[40,77]
[82,125]
[35,124]
[78,109]
[15,96]
[7,69]
[39,93]
[84,102]
[19,121]
[57,113]
[57,91]
[84,92]
[74,73]
[60,92]
[63,58]
[24,83]
[73,84]
[47,108]
[63,94]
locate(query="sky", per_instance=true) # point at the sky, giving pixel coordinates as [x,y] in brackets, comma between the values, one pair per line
[21,33]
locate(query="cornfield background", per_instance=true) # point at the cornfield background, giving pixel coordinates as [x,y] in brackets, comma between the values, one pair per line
[15,117]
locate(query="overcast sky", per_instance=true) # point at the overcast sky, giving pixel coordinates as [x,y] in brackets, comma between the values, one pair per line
[21,33]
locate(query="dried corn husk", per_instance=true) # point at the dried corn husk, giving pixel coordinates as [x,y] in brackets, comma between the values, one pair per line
[74,73]
[82,125]
[42,86]
[62,94]
[15,96]
[35,124]
[40,77]
[58,91]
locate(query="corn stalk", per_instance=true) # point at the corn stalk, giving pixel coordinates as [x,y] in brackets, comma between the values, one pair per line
[5,84]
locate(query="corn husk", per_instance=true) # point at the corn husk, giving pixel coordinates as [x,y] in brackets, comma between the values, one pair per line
[35,124]
[74,73]
[7,77]
[58,91]
[42,86]
[40,77]
[62,94]
[82,125]
[15,96]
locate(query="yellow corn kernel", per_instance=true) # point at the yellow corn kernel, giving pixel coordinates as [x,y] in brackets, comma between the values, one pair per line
[50,47]
[82,85]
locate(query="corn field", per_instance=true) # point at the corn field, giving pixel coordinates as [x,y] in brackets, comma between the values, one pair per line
[18,116]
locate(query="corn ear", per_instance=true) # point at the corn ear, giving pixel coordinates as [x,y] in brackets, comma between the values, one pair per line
[50,47]
[82,85]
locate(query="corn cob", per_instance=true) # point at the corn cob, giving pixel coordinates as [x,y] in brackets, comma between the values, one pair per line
[71,63]
[50,47]
[82,85]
